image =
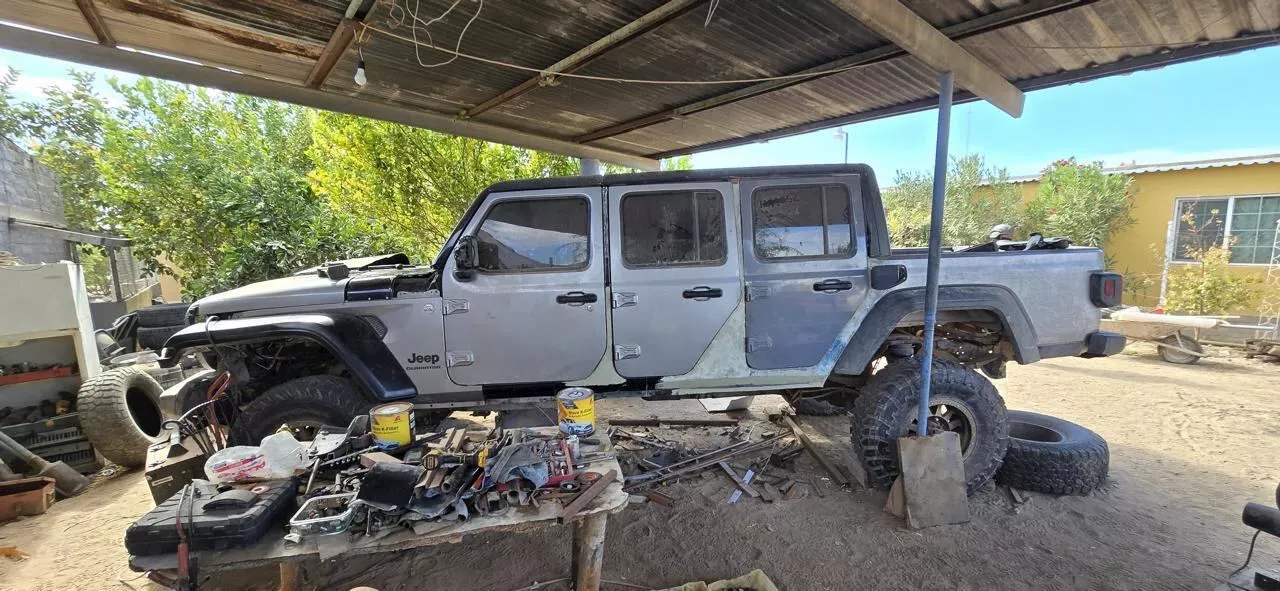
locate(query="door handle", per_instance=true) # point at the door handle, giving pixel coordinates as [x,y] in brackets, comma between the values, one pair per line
[702,292]
[832,285]
[576,297]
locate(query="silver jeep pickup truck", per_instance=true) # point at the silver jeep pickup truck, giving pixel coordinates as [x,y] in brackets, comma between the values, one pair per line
[662,285]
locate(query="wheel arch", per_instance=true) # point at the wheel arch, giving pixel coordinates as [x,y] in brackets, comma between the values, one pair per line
[349,339]
[893,307]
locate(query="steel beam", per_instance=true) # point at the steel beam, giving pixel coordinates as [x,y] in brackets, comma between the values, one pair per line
[932,273]
[94,19]
[977,26]
[75,50]
[1127,66]
[906,29]
[582,57]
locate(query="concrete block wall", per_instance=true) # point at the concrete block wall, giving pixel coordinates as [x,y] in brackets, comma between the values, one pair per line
[29,191]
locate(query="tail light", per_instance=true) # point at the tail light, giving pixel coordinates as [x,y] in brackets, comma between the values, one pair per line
[1105,289]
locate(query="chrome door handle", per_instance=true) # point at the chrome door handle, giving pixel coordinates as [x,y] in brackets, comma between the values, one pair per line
[702,292]
[576,297]
[832,285]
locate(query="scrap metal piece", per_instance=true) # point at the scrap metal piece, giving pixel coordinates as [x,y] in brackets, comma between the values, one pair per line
[573,509]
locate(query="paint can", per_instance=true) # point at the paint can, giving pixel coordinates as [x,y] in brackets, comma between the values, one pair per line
[392,425]
[576,411]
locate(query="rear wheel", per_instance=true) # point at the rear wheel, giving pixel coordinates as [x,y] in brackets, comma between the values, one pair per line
[303,404]
[961,401]
[1176,356]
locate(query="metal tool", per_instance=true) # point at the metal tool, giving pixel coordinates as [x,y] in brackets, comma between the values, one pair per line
[67,481]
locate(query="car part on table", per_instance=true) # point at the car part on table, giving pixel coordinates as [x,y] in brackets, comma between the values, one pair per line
[69,482]
[213,517]
[120,414]
[1052,455]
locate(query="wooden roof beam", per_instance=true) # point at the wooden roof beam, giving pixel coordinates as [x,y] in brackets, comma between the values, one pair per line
[977,26]
[339,41]
[582,57]
[906,29]
[94,19]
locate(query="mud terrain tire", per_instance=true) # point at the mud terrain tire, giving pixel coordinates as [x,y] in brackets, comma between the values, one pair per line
[311,401]
[120,414]
[886,409]
[1054,456]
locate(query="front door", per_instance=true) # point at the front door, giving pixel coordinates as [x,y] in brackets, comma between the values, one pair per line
[534,309]
[805,266]
[675,271]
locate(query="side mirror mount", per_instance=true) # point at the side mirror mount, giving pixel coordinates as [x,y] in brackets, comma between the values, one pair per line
[466,257]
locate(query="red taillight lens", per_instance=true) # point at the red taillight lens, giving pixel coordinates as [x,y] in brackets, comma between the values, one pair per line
[1105,289]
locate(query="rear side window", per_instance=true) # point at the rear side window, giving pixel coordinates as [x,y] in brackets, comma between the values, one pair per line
[535,235]
[806,221]
[673,228]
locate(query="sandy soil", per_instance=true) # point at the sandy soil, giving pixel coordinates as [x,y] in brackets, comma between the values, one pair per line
[1190,445]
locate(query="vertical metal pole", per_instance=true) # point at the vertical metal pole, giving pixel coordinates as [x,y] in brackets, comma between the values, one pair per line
[846,146]
[588,166]
[935,246]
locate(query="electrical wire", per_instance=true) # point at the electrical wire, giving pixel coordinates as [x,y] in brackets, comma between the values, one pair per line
[1247,559]
[425,24]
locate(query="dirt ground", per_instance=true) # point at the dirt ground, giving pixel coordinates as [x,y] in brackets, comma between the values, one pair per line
[1190,445]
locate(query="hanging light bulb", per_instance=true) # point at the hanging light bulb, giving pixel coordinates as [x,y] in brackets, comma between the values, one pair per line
[361,78]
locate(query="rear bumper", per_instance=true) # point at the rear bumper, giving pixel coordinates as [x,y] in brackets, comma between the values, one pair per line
[1103,344]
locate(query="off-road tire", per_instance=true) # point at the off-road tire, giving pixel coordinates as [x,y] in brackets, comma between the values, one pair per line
[1054,456]
[883,411]
[162,315]
[322,400]
[1175,356]
[154,338]
[120,414]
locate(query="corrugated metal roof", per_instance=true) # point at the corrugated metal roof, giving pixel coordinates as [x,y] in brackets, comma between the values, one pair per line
[1170,166]
[1033,43]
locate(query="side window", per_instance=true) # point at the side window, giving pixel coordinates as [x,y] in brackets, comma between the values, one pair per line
[808,221]
[672,228]
[533,235]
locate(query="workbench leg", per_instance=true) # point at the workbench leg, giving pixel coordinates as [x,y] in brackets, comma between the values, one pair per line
[289,576]
[588,551]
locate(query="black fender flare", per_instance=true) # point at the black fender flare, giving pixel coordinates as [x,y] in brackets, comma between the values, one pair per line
[348,338]
[894,306]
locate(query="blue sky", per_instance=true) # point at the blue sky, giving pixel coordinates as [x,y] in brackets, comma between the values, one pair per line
[1219,107]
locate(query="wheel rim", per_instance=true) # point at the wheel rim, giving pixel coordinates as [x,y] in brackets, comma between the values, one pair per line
[947,415]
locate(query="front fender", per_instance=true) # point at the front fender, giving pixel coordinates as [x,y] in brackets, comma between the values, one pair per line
[348,338]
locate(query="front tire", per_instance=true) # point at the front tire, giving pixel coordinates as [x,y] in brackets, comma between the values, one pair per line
[961,400]
[303,404]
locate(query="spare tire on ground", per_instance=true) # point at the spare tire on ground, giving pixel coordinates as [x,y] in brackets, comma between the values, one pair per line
[162,315]
[120,414]
[1051,455]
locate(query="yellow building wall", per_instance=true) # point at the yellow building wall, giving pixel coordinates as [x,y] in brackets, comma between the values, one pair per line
[1139,249]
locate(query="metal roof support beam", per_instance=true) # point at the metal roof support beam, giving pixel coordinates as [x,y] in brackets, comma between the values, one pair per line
[582,57]
[977,26]
[94,19]
[75,50]
[906,29]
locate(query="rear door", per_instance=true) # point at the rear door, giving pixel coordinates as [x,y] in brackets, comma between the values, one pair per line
[534,311]
[805,266]
[675,274]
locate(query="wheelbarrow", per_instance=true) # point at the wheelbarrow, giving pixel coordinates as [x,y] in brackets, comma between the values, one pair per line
[1177,338]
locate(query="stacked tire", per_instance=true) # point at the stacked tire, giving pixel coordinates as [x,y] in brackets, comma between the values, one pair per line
[157,323]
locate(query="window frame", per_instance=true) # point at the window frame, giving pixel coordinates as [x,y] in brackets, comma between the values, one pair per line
[1226,224]
[514,199]
[622,228]
[826,240]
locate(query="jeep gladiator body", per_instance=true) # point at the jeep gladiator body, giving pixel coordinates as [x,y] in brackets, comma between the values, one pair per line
[665,284]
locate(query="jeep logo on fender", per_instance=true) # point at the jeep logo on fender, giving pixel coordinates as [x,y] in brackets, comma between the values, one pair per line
[420,361]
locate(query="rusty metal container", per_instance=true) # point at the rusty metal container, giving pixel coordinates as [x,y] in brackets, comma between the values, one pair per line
[25,496]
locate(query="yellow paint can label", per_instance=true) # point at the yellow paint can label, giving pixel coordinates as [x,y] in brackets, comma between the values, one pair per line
[392,425]
[576,411]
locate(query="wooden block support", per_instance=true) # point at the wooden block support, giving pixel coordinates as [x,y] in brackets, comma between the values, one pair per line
[933,480]
[836,473]
[588,551]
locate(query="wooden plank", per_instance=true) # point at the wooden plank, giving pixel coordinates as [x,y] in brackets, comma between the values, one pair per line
[94,19]
[836,473]
[906,29]
[896,504]
[587,495]
[332,52]
[933,480]
[737,480]
[674,422]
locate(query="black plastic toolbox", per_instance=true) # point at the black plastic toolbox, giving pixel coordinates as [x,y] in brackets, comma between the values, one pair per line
[209,526]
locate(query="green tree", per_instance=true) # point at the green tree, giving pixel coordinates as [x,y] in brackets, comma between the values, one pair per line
[1206,285]
[978,197]
[409,183]
[12,121]
[1081,202]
